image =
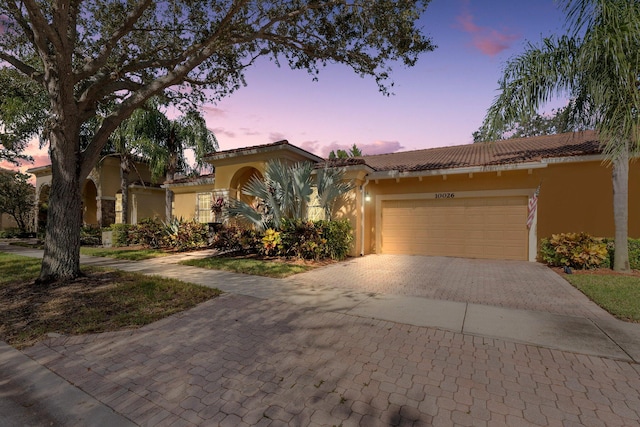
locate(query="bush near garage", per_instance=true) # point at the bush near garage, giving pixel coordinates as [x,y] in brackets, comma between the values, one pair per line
[316,239]
[576,250]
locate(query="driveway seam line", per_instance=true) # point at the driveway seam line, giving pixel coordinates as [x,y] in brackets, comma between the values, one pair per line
[614,341]
[464,318]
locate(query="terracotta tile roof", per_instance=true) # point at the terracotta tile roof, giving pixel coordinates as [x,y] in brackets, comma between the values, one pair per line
[188,179]
[338,163]
[255,147]
[509,151]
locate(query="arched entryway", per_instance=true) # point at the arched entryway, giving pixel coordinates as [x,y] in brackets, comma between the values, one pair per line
[239,180]
[89,203]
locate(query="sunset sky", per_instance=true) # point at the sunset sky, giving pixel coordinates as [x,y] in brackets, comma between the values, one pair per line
[439,102]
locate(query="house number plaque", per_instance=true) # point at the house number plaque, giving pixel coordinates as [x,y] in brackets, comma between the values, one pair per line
[445,195]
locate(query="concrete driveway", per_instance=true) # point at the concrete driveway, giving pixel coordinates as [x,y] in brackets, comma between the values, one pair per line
[510,284]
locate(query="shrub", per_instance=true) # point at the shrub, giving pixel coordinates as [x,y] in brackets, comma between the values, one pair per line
[90,236]
[634,253]
[302,239]
[120,234]
[148,232]
[577,250]
[237,239]
[316,240]
[271,242]
[183,235]
[339,236]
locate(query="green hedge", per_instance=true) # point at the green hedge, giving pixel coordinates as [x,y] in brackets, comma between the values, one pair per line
[151,233]
[634,252]
[297,239]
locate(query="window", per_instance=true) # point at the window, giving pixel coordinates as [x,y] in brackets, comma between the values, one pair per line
[119,219]
[203,207]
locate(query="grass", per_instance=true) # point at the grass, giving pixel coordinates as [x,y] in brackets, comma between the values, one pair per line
[102,301]
[256,267]
[618,294]
[131,254]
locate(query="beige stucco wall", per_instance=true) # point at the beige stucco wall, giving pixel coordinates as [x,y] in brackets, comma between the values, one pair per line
[184,199]
[146,203]
[573,197]
[184,205]
[108,174]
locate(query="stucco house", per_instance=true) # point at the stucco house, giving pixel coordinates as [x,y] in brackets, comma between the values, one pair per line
[101,194]
[464,201]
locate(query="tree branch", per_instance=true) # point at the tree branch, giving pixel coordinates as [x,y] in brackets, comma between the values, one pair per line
[22,67]
[42,31]
[93,66]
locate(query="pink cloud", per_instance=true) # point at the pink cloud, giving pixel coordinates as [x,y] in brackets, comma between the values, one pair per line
[213,111]
[487,40]
[310,146]
[276,136]
[221,131]
[249,132]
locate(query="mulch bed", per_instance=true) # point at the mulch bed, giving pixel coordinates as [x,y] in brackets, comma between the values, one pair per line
[597,272]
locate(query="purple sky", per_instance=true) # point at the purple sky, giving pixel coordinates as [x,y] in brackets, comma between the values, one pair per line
[439,102]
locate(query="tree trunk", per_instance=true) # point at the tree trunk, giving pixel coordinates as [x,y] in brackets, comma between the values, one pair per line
[125,167]
[620,177]
[61,259]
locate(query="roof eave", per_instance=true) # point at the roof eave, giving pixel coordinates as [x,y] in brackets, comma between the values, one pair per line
[223,155]
[201,181]
[543,163]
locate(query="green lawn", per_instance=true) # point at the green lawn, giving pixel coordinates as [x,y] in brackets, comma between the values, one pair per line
[101,301]
[256,267]
[618,294]
[131,254]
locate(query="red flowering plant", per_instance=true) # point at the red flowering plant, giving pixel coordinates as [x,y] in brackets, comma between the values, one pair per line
[218,205]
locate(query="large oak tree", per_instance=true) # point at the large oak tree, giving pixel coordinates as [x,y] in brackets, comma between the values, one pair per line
[115,52]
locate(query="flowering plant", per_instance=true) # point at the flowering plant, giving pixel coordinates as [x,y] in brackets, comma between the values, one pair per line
[218,205]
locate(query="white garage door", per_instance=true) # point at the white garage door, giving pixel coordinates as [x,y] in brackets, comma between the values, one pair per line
[492,227]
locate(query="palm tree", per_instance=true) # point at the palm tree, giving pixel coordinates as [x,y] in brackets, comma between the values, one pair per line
[597,65]
[331,187]
[163,142]
[285,192]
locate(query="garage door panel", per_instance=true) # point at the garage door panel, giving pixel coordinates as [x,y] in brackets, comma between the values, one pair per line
[471,227]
